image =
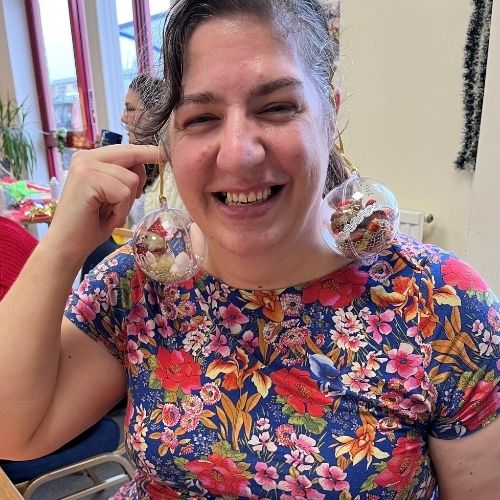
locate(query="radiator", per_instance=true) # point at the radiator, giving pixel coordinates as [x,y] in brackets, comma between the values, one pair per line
[412,223]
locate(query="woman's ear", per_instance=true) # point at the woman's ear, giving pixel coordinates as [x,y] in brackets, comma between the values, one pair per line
[335,97]
[336,94]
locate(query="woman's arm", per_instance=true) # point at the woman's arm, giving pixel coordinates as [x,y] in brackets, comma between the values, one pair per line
[469,467]
[54,381]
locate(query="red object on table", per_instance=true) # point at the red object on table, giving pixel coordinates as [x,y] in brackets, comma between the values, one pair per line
[16,245]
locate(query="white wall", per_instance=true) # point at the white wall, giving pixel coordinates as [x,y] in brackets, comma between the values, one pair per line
[402,65]
[483,239]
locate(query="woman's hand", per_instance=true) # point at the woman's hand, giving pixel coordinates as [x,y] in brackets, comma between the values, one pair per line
[99,191]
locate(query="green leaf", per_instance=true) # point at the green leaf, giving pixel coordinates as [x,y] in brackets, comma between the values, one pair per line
[288,410]
[181,462]
[170,397]
[153,382]
[315,425]
[369,483]
[297,419]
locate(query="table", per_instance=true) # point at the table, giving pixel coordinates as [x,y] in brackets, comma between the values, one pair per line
[7,490]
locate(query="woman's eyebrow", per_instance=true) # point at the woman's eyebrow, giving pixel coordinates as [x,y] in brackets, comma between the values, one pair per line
[274,85]
[258,91]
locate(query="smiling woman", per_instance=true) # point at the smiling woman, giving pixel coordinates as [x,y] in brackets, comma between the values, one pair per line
[280,369]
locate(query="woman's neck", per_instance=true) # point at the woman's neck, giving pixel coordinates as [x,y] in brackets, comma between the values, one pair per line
[278,268]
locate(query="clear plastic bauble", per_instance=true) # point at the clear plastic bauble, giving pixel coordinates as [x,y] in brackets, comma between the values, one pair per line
[359,218]
[168,246]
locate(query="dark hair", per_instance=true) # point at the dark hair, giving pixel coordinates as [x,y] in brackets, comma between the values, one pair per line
[149,89]
[303,22]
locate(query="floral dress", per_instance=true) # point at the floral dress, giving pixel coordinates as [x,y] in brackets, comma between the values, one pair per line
[329,389]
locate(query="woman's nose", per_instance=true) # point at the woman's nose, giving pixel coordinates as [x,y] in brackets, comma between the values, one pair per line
[240,145]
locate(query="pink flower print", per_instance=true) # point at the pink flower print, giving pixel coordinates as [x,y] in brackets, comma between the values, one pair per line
[86,308]
[332,478]
[416,380]
[137,442]
[148,287]
[169,439]
[232,318]
[373,360]
[192,405]
[265,476]
[189,422]
[477,326]
[219,343]
[489,342]
[248,341]
[283,434]
[305,444]
[138,313]
[170,414]
[145,331]
[210,393]
[460,274]
[364,313]
[291,304]
[412,332]
[355,382]
[263,424]
[402,361]
[415,404]
[299,460]
[164,329]
[379,324]
[494,318]
[348,342]
[299,488]
[258,443]
[186,308]
[134,354]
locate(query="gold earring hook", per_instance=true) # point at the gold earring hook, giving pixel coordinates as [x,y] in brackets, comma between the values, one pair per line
[349,163]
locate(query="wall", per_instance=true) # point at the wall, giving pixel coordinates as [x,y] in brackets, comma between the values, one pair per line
[483,238]
[402,105]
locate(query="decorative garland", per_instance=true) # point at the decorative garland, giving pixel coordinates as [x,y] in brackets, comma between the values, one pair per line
[475,62]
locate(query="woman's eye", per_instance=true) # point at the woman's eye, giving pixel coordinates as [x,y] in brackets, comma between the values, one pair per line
[198,120]
[281,109]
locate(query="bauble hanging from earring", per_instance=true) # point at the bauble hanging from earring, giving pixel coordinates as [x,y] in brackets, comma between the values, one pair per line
[360,217]
[168,246]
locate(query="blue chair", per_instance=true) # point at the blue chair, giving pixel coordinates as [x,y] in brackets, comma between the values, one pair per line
[98,445]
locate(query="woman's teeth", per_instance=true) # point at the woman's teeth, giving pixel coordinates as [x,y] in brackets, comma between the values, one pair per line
[245,198]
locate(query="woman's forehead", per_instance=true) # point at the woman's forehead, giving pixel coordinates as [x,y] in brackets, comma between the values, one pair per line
[231,42]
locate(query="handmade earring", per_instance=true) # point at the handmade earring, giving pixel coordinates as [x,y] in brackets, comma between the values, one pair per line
[168,246]
[360,217]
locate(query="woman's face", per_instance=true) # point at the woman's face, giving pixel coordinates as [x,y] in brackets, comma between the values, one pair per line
[248,142]
[133,107]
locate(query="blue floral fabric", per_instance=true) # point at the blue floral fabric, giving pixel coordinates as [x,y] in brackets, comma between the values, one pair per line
[328,389]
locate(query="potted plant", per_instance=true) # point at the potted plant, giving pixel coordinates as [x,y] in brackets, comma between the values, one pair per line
[17,151]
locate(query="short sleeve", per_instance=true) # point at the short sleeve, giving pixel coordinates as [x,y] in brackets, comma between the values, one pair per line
[465,366]
[103,300]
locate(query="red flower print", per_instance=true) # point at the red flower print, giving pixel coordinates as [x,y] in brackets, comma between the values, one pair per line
[458,273]
[480,402]
[137,285]
[338,289]
[301,391]
[220,476]
[158,490]
[403,361]
[178,370]
[401,467]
